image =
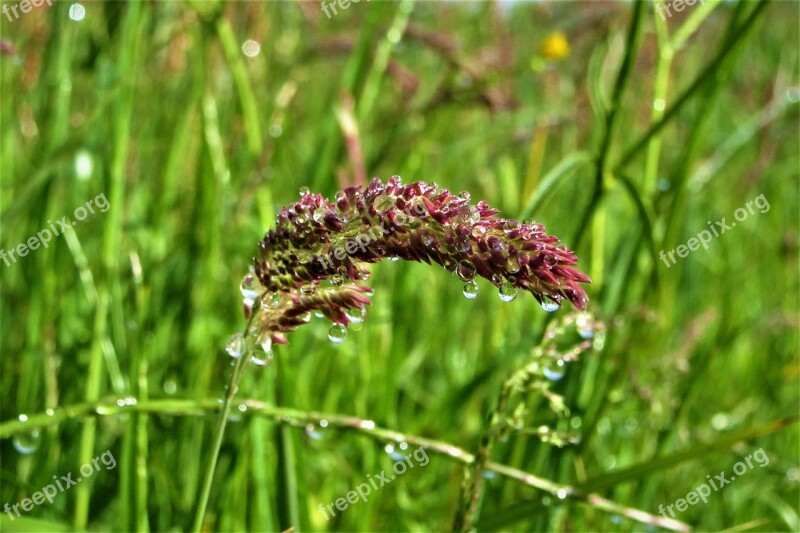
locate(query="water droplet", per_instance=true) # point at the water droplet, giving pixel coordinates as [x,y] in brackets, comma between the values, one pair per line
[27,443]
[529,222]
[575,422]
[471,290]
[599,341]
[562,494]
[318,216]
[555,370]
[512,264]
[271,301]
[170,386]
[507,292]
[312,432]
[249,287]
[488,474]
[242,408]
[584,325]
[235,346]
[337,280]
[466,271]
[394,258]
[511,226]
[403,445]
[464,195]
[304,191]
[550,305]
[308,289]
[357,314]
[337,334]
[478,232]
[356,326]
[364,275]
[263,354]
[472,216]
[392,451]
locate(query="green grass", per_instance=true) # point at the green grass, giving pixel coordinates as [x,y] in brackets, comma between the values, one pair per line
[196,146]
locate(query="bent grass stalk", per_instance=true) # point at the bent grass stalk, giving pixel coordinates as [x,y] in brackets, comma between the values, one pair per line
[317,240]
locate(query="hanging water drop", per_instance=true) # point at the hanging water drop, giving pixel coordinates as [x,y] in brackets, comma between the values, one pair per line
[550,305]
[466,271]
[471,290]
[312,432]
[555,370]
[304,191]
[357,314]
[337,280]
[337,334]
[507,292]
[235,346]
[249,287]
[584,325]
[263,354]
[27,443]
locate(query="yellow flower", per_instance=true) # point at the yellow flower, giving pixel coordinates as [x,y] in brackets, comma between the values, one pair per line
[554,47]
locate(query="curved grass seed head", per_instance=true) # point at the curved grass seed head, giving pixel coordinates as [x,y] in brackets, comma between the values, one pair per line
[316,240]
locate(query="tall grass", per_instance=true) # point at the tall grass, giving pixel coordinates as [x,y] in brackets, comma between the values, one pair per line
[113,336]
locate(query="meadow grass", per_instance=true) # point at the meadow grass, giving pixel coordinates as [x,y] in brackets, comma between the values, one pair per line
[113,336]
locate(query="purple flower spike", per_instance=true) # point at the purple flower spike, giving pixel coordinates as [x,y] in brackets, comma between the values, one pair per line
[316,240]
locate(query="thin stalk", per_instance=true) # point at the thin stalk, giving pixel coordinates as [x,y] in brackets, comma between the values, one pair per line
[233,385]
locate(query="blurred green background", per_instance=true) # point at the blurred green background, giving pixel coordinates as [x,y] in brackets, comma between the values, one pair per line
[621,131]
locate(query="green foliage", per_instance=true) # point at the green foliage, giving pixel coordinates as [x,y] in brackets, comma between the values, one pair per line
[113,336]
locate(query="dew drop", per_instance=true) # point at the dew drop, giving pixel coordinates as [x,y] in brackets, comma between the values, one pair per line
[555,370]
[507,292]
[364,275]
[562,494]
[337,280]
[511,226]
[583,323]
[304,191]
[464,195]
[478,232]
[550,305]
[337,334]
[529,222]
[466,271]
[308,289]
[235,346]
[356,326]
[471,290]
[394,258]
[512,264]
[263,354]
[318,216]
[312,432]
[170,386]
[27,443]
[249,287]
[357,314]
[271,301]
